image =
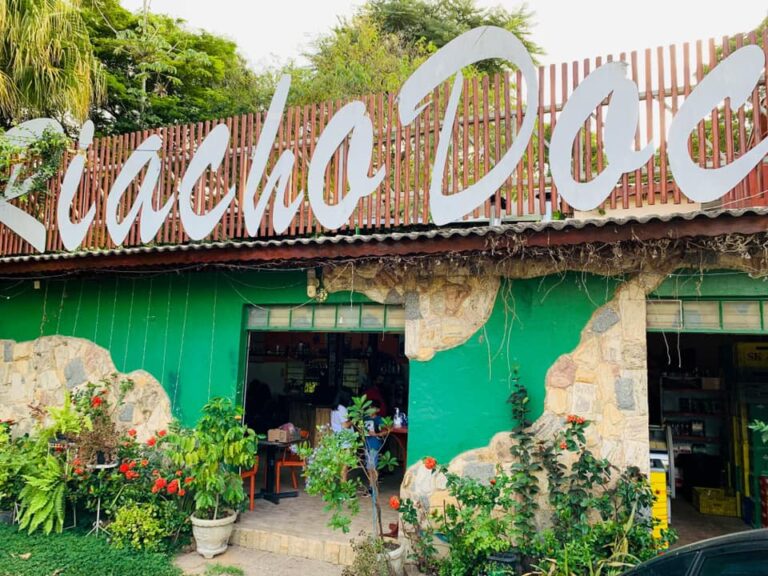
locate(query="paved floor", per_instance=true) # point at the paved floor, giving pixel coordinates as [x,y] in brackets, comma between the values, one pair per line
[304,515]
[692,526]
[258,563]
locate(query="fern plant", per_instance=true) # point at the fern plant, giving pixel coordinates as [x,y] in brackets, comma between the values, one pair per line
[42,499]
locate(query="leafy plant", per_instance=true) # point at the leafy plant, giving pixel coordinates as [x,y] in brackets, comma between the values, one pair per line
[13,458]
[28,169]
[43,498]
[138,526]
[98,443]
[330,463]
[369,558]
[213,452]
[600,521]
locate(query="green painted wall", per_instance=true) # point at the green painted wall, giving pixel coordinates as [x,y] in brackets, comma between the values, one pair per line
[711,284]
[458,399]
[186,329]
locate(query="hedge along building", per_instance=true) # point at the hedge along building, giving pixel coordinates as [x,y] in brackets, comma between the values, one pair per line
[512,221]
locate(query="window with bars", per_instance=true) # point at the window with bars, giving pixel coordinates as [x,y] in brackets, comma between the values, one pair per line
[732,316]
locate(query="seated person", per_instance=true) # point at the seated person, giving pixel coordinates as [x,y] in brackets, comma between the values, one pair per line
[374,394]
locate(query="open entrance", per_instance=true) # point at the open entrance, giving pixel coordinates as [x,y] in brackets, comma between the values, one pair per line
[706,382]
[301,363]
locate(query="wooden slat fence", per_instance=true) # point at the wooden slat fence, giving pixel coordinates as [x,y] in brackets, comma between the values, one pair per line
[490,114]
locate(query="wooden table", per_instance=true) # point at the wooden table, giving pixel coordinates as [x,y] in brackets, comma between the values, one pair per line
[268,492]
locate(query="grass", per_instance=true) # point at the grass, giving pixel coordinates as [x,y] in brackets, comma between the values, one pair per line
[222,570]
[74,554]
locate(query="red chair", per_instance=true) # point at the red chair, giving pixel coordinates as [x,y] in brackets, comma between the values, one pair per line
[289,460]
[251,475]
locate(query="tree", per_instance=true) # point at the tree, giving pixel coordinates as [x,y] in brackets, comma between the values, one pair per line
[378,48]
[47,66]
[437,22]
[160,73]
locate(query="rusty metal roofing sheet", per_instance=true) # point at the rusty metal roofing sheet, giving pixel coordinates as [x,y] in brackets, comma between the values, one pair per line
[414,235]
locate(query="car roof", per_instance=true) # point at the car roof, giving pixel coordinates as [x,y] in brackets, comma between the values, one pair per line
[746,537]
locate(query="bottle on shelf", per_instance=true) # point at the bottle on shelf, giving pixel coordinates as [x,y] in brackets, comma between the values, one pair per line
[398,419]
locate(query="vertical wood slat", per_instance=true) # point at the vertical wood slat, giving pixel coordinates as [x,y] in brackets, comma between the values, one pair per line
[518,124]
[638,190]
[662,126]
[675,95]
[650,166]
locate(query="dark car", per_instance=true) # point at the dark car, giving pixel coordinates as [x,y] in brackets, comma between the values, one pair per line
[741,554]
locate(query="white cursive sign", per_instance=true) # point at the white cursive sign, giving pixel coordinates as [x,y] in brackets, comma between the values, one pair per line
[734,78]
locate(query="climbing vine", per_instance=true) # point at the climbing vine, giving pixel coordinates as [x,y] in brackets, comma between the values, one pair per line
[38,162]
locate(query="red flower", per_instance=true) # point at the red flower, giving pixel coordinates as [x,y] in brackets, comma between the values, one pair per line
[179,473]
[430,463]
[563,445]
[161,433]
[131,475]
[161,483]
[155,489]
[132,433]
[132,464]
[189,480]
[493,481]
[394,503]
[155,473]
[182,492]
[173,487]
[96,401]
[123,468]
[76,462]
[151,442]
[78,471]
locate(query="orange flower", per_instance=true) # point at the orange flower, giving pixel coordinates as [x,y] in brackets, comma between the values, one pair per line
[179,473]
[161,433]
[563,445]
[394,503]
[182,492]
[430,463]
[132,433]
[144,462]
[189,480]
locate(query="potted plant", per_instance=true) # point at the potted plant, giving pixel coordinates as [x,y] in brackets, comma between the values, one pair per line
[329,472]
[212,454]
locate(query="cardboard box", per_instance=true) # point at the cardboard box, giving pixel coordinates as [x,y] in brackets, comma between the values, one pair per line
[711,383]
[280,435]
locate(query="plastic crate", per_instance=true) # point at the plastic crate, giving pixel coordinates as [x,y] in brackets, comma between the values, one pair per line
[716,502]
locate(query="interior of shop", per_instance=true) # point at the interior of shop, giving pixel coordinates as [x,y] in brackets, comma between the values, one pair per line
[703,391]
[295,377]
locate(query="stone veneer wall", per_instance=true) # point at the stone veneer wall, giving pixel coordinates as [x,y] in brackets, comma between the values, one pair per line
[604,379]
[38,373]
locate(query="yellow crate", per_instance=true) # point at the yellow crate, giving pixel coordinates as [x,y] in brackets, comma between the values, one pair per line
[716,502]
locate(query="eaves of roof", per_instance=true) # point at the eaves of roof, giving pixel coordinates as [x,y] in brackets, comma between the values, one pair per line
[459,239]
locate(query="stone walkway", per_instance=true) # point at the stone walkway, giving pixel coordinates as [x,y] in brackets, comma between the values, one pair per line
[258,563]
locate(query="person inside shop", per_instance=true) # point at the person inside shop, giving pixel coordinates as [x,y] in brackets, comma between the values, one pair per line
[374,394]
[259,406]
[373,441]
[339,413]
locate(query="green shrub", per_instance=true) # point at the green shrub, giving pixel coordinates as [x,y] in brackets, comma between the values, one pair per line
[72,554]
[138,526]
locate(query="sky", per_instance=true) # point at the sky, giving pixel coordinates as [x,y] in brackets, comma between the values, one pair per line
[270,32]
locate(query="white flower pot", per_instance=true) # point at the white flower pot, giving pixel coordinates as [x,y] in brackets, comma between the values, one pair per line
[212,536]
[396,558]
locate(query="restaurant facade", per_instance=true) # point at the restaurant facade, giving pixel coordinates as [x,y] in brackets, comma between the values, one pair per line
[643,312]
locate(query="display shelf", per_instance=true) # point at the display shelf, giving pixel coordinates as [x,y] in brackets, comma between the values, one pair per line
[697,439]
[694,414]
[691,390]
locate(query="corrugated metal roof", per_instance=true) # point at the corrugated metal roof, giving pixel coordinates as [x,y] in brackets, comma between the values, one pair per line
[415,235]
